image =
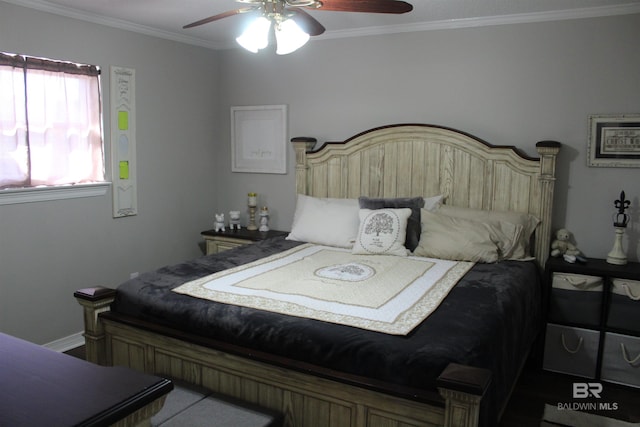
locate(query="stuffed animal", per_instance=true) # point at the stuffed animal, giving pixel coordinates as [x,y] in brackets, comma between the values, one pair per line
[218,225]
[562,246]
[234,220]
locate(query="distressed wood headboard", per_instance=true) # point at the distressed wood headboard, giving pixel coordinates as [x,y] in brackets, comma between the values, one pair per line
[410,160]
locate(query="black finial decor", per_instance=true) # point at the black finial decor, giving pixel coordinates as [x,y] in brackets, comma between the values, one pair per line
[621,219]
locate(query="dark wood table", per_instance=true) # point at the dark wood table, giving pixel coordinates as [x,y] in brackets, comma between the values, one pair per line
[41,387]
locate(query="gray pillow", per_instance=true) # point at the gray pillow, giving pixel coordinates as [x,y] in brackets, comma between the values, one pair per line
[413,225]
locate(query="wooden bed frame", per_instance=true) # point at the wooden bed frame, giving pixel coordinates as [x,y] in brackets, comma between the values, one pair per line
[392,161]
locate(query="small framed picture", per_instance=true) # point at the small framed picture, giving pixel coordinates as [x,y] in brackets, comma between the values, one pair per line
[259,139]
[614,141]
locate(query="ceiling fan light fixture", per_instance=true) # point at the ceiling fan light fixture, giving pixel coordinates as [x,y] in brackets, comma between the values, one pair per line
[292,25]
[256,36]
[289,37]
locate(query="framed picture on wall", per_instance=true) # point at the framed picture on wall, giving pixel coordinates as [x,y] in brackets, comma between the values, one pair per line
[259,139]
[614,141]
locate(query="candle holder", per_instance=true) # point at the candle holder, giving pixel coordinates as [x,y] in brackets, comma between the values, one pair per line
[253,203]
[620,221]
[264,219]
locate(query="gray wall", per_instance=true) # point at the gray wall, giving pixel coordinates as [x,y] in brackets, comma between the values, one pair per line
[50,249]
[509,85]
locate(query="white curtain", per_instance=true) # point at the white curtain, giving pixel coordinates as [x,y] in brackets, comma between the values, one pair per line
[50,123]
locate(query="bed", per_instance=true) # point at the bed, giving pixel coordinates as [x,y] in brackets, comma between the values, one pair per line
[455,368]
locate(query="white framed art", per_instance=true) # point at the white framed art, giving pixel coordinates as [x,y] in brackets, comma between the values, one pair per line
[259,139]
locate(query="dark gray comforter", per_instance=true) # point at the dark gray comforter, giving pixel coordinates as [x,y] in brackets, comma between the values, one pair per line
[490,319]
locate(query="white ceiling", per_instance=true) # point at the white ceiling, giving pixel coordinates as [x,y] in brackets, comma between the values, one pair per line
[165,18]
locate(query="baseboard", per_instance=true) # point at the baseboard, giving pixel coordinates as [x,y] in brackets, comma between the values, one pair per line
[66,343]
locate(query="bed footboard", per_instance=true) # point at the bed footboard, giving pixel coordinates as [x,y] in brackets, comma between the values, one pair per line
[303,398]
[462,387]
[95,301]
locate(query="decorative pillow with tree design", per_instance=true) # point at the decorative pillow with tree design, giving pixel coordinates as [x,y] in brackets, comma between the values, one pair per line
[382,232]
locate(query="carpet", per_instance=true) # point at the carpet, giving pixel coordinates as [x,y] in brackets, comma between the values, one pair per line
[553,416]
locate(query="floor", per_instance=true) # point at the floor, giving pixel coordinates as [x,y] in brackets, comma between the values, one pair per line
[193,406]
[537,388]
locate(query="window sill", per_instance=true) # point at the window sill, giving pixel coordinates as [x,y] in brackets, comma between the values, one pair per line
[27,195]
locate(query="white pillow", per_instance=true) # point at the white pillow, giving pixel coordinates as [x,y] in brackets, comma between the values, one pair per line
[433,203]
[382,232]
[521,250]
[325,221]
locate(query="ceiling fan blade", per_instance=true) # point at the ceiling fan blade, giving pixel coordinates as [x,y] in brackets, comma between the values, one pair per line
[307,23]
[370,6]
[220,16]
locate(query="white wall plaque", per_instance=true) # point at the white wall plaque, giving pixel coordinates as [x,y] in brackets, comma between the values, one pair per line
[123,142]
[259,139]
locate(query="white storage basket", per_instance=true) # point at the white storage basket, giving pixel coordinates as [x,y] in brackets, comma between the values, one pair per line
[624,308]
[621,359]
[571,350]
[576,298]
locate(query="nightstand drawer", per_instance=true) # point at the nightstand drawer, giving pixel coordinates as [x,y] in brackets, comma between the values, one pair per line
[218,245]
[624,307]
[575,298]
[571,350]
[218,241]
[621,359]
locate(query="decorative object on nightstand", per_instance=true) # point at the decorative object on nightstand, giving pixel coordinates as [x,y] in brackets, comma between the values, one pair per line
[620,221]
[264,219]
[562,247]
[253,202]
[234,220]
[218,225]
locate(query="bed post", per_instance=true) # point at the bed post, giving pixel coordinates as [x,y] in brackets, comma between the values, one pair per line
[95,301]
[302,144]
[462,387]
[548,150]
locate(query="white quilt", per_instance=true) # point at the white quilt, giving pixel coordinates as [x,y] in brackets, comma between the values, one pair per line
[383,293]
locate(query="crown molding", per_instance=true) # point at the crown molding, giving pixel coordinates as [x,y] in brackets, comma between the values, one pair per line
[520,18]
[45,6]
[556,15]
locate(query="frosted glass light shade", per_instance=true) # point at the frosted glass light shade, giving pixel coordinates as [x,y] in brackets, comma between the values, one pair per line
[256,36]
[289,37]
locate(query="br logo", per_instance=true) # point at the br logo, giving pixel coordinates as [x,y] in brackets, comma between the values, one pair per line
[586,390]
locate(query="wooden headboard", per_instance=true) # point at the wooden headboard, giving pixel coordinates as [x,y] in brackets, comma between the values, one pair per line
[410,160]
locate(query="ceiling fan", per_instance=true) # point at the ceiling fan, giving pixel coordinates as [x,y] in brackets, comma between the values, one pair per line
[292,24]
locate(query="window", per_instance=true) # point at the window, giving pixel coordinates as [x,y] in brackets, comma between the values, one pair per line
[50,123]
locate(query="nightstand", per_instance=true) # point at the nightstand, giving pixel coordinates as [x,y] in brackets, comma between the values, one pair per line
[218,241]
[593,320]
